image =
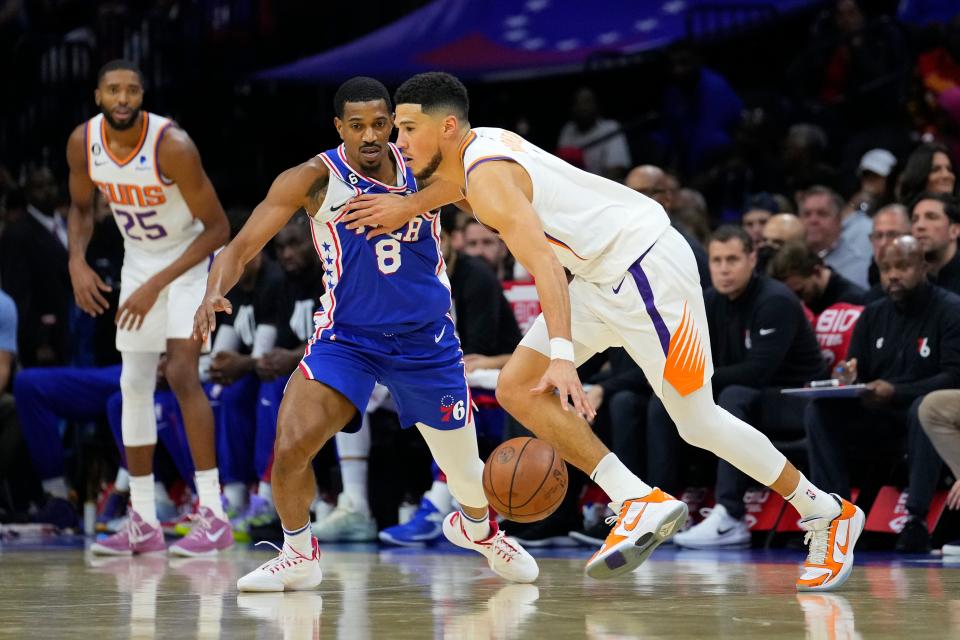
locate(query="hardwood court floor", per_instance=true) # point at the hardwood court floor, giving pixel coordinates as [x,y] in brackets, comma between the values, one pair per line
[63,592]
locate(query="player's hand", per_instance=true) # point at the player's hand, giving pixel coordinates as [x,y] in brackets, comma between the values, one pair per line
[846,372]
[277,362]
[134,309]
[87,286]
[595,397]
[228,366]
[562,376]
[953,497]
[205,319]
[384,212]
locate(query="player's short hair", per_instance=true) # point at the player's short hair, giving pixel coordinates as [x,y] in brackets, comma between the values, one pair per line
[951,205]
[120,64]
[729,232]
[794,259]
[435,91]
[360,89]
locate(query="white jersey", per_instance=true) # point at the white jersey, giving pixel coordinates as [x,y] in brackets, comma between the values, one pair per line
[597,227]
[148,208]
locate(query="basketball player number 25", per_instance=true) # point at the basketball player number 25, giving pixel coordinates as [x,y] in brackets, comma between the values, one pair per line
[140,219]
[388,255]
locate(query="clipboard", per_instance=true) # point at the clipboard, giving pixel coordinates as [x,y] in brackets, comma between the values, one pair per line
[844,391]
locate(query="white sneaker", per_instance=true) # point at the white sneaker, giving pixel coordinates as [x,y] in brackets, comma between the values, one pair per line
[346,524]
[505,556]
[289,571]
[718,529]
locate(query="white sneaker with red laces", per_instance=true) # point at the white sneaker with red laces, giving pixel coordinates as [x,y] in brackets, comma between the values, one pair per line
[289,571]
[505,556]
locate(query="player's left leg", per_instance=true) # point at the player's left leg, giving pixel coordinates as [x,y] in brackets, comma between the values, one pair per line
[211,531]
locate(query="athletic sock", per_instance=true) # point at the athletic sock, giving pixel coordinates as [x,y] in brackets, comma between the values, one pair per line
[236,494]
[208,490]
[122,481]
[143,498]
[353,471]
[299,540]
[265,491]
[811,502]
[617,481]
[439,496]
[476,529]
[56,487]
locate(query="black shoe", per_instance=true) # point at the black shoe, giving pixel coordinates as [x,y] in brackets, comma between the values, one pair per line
[551,532]
[59,512]
[592,537]
[914,537]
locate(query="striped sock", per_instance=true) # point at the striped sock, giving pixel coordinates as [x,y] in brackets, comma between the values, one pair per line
[299,540]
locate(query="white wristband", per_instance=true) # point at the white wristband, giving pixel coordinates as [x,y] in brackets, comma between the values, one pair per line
[561,349]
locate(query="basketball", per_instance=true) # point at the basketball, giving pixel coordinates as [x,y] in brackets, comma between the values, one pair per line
[525,479]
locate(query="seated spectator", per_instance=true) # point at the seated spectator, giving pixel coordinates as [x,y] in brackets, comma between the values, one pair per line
[605,150]
[816,284]
[779,230]
[940,418]
[804,163]
[758,209]
[844,244]
[928,169]
[939,70]
[936,225]
[33,270]
[889,223]
[690,212]
[874,171]
[14,473]
[480,242]
[761,342]
[904,346]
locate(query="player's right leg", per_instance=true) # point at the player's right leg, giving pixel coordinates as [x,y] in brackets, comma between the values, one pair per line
[311,412]
[142,534]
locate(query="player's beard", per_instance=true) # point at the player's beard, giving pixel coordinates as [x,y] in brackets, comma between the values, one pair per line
[121,126]
[431,167]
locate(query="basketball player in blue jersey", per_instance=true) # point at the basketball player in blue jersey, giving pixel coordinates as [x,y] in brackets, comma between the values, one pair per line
[384,318]
[635,284]
[150,172]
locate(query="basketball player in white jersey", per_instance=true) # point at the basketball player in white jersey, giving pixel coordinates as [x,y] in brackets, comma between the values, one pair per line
[150,172]
[635,284]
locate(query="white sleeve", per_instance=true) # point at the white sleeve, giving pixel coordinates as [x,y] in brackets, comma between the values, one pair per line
[226,339]
[264,339]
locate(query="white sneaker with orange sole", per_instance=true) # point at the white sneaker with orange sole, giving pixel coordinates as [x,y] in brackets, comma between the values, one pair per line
[641,525]
[830,558]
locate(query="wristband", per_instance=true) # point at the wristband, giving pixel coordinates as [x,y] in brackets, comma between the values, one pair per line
[561,349]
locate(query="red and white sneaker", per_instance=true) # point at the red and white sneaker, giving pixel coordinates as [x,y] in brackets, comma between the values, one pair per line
[136,536]
[505,556]
[641,525]
[831,541]
[208,535]
[289,571]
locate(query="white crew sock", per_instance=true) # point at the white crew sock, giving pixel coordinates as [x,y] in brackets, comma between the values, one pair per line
[208,490]
[56,487]
[439,495]
[299,540]
[265,491]
[617,481]
[122,482]
[476,529]
[143,498]
[236,493]
[810,501]
[353,471]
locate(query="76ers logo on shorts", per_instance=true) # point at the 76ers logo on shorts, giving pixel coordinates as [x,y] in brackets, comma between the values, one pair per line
[450,408]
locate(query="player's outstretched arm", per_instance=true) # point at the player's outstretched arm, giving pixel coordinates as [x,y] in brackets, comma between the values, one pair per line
[87,285]
[385,213]
[302,187]
[499,202]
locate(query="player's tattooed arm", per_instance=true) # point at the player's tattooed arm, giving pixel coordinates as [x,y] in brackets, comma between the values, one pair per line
[294,189]
[87,285]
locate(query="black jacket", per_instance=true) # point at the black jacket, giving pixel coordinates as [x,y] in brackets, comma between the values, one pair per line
[917,348]
[949,276]
[762,338]
[485,321]
[838,289]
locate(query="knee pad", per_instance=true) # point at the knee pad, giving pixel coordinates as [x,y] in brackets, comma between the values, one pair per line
[138,379]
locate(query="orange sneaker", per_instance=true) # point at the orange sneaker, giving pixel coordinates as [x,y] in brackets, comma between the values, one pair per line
[831,543]
[642,524]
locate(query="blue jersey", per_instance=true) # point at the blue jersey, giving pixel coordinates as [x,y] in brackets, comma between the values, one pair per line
[388,285]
